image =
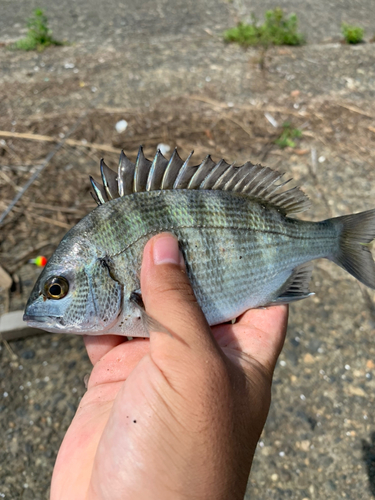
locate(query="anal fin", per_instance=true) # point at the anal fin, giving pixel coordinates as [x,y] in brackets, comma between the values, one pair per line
[297,286]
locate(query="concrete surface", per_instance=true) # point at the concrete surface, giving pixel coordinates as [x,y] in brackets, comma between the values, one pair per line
[113,22]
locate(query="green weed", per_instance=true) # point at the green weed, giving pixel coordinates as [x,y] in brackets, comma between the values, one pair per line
[276,30]
[39,36]
[287,136]
[352,34]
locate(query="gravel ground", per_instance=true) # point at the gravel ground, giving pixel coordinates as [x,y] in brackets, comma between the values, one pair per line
[319,439]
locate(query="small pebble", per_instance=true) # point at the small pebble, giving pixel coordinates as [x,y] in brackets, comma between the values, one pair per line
[28,354]
[121,126]
[164,148]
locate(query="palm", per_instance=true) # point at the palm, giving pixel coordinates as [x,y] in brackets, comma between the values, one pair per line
[254,340]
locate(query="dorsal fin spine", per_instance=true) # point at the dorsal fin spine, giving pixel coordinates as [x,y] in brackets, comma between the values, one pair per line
[223,176]
[265,189]
[242,183]
[120,181]
[260,177]
[201,167]
[182,170]
[250,185]
[206,181]
[152,169]
[106,171]
[136,169]
[98,192]
[165,176]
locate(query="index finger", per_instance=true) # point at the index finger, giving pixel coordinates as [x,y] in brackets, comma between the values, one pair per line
[98,346]
[258,333]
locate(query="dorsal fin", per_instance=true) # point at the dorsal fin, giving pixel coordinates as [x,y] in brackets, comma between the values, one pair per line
[255,181]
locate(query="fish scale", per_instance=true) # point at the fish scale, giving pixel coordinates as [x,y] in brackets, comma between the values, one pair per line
[240,247]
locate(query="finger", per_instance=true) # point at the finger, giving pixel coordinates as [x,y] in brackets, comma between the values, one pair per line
[259,333]
[117,364]
[267,318]
[98,345]
[168,296]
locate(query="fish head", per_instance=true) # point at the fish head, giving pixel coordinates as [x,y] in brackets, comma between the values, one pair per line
[76,291]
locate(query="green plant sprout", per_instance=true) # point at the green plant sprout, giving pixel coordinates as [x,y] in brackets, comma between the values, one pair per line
[287,136]
[276,30]
[39,36]
[352,34]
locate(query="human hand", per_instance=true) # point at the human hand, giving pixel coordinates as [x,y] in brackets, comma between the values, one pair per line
[177,416]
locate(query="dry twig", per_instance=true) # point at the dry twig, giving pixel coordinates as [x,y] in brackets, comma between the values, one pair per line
[47,138]
[41,167]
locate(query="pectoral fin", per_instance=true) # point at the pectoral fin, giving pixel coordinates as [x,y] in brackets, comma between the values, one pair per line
[150,324]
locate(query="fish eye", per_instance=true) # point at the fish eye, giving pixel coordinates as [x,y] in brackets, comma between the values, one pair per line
[56,287]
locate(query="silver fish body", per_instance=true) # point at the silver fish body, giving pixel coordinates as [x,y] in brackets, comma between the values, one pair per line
[240,248]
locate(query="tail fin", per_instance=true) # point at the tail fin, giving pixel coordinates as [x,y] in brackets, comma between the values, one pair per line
[353,254]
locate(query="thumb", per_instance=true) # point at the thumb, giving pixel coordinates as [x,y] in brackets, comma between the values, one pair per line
[168,296]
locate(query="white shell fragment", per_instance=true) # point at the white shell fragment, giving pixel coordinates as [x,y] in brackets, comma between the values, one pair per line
[164,148]
[121,126]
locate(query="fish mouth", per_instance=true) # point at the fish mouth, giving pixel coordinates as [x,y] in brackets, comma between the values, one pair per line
[32,319]
[45,323]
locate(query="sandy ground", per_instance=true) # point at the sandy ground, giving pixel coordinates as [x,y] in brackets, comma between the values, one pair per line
[163,67]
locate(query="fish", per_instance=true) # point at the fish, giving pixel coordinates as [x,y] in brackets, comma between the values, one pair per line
[242,244]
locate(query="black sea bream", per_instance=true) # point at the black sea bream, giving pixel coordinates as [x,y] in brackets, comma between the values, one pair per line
[241,249]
